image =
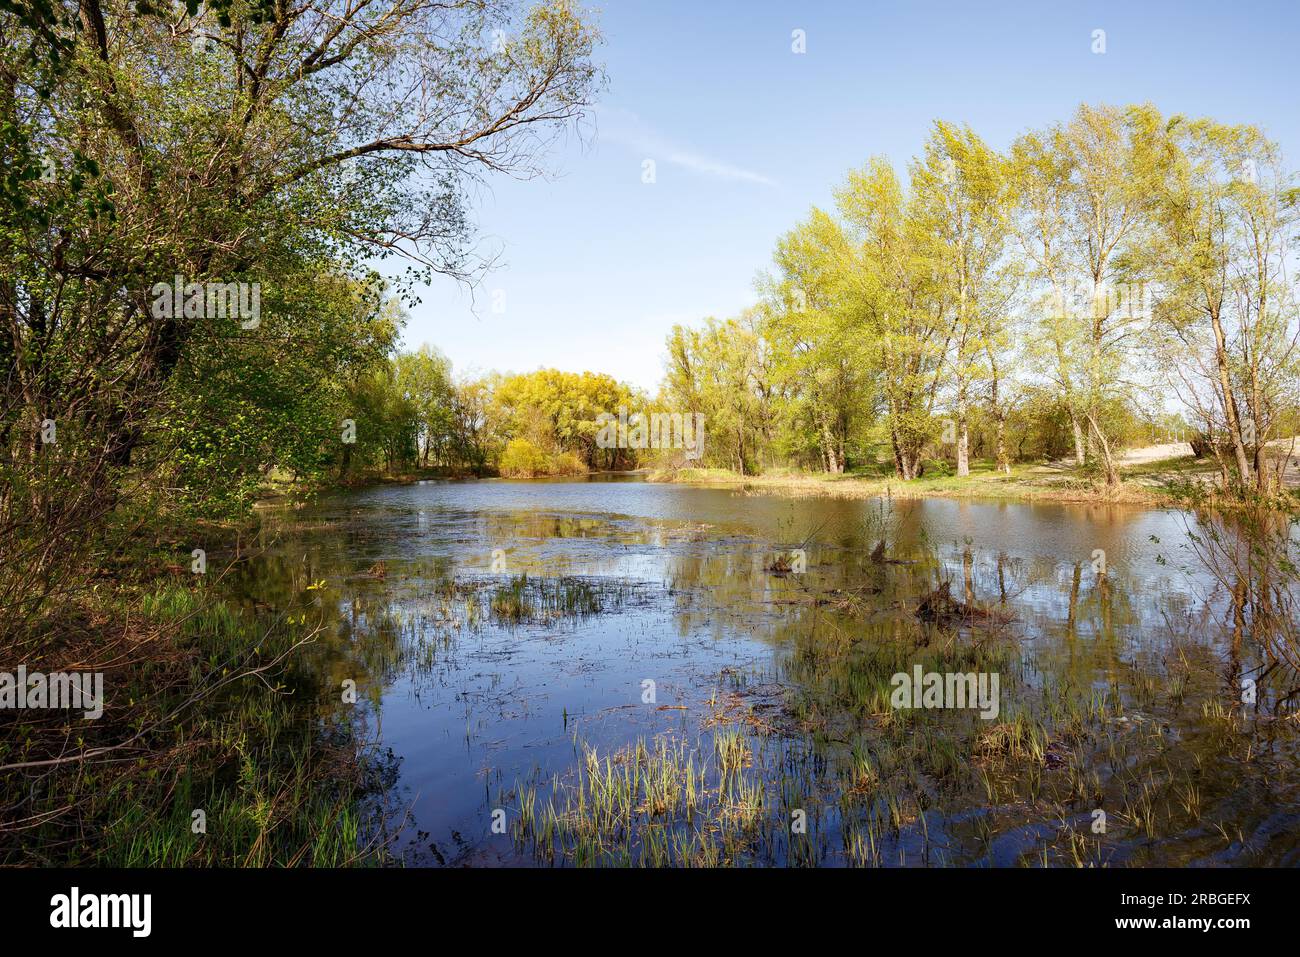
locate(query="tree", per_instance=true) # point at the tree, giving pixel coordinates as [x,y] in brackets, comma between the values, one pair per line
[259,145]
[818,363]
[1225,212]
[424,377]
[901,302]
[1081,218]
[559,412]
[717,372]
[961,194]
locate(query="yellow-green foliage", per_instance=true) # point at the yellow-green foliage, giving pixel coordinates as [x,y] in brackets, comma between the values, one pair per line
[522,459]
[566,463]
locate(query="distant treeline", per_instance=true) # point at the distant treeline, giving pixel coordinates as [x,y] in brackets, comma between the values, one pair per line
[415,414]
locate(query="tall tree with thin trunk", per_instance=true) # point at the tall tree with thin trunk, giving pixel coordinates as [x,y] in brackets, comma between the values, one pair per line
[960,189]
[1227,320]
[1082,209]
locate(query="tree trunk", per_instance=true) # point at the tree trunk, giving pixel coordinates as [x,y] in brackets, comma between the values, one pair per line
[1229,398]
[1000,442]
[832,458]
[999,419]
[1108,463]
[912,464]
[899,468]
[963,444]
[1080,457]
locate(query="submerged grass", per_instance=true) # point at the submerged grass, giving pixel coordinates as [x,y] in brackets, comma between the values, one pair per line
[525,599]
[657,805]
[1145,767]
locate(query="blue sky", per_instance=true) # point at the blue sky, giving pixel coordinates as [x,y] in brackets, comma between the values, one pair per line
[596,266]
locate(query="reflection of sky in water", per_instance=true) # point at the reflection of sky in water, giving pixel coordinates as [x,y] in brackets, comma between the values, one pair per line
[472,710]
[456,514]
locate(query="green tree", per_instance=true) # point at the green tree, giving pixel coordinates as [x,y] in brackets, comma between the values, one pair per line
[1081,187]
[1225,211]
[961,194]
[255,144]
[819,366]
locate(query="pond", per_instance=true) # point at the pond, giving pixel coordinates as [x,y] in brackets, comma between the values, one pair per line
[613,671]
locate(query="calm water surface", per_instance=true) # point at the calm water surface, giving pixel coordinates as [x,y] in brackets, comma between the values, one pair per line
[498,632]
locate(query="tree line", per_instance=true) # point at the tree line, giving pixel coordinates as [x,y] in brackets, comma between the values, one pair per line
[414,413]
[1120,278]
[1117,276]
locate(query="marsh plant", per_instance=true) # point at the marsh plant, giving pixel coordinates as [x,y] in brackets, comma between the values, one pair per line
[1144,767]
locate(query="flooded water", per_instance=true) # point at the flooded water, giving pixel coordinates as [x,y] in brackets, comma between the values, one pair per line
[617,672]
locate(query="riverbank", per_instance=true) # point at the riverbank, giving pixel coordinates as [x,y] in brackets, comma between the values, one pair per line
[362,477]
[1155,483]
[200,752]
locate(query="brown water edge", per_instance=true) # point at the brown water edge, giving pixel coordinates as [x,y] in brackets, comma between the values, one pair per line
[520,690]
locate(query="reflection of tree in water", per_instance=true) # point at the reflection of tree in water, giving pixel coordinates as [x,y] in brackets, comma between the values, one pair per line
[1254,557]
[1116,694]
[1106,663]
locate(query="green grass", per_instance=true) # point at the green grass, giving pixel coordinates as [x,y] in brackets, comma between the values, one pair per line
[275,785]
[523,599]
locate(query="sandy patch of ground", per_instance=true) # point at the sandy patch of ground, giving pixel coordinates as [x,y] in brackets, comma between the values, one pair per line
[1288,449]
[1155,453]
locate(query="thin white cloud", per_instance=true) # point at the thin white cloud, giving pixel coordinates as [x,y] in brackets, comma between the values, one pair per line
[627,129]
[711,167]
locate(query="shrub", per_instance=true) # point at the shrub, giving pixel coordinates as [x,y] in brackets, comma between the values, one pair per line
[522,459]
[566,463]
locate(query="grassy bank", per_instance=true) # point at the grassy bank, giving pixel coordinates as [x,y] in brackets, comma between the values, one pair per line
[1153,483]
[208,751]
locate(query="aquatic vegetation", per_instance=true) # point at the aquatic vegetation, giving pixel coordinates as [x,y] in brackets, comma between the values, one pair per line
[531,600]
[659,805]
[225,768]
[1120,737]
